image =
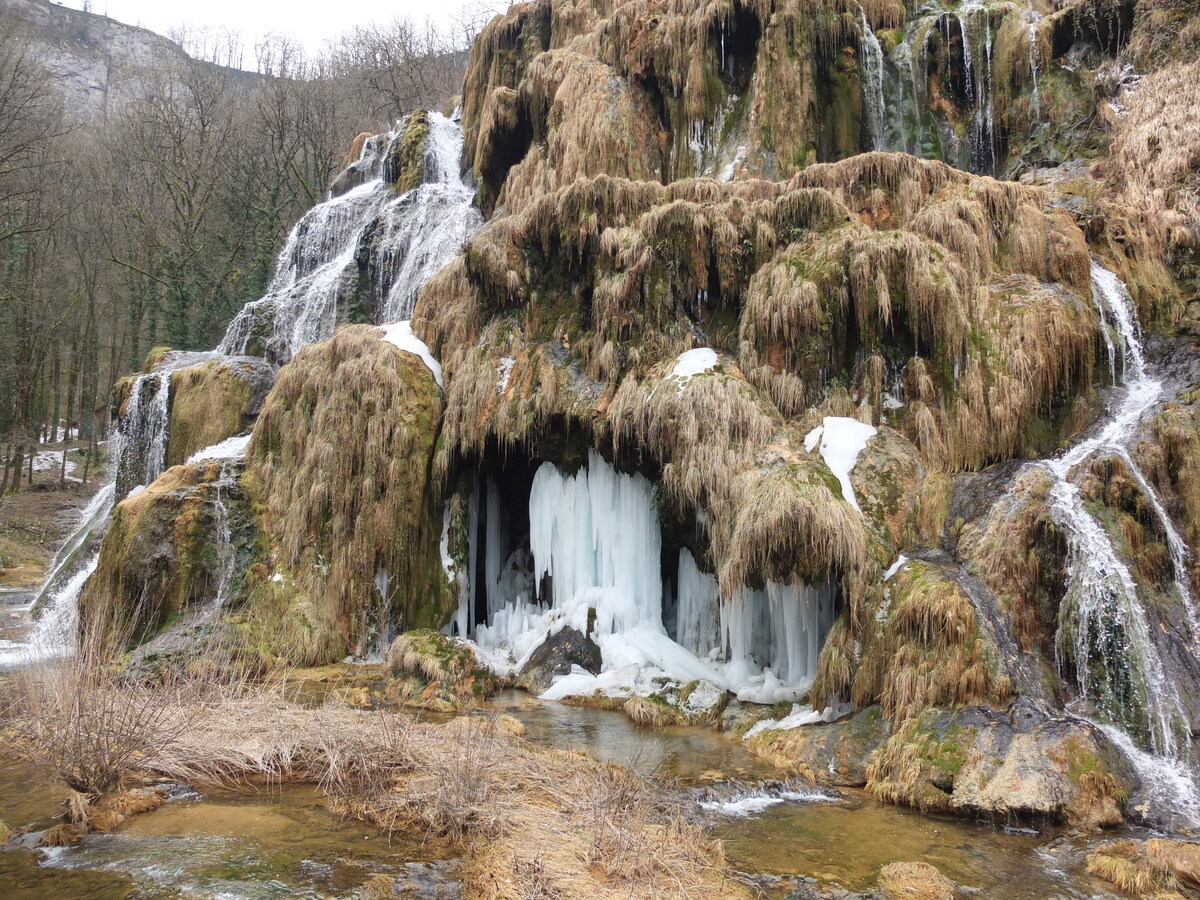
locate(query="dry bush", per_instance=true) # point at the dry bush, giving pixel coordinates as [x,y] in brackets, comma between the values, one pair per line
[88,726]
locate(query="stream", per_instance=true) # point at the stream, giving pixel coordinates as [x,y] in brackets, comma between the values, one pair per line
[283,841]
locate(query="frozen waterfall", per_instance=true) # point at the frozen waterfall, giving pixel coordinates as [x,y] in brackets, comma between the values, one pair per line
[594,562]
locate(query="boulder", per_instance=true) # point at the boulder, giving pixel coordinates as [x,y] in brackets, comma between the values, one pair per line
[213,401]
[835,754]
[555,656]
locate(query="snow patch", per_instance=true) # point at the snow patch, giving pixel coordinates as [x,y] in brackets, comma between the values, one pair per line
[895,567]
[841,440]
[694,362]
[229,450]
[505,370]
[400,334]
[797,718]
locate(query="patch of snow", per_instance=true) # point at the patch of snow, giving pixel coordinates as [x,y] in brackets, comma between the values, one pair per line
[895,567]
[51,461]
[694,362]
[799,717]
[400,334]
[229,450]
[505,369]
[841,441]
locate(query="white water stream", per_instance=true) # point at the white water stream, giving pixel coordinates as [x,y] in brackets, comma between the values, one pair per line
[1104,630]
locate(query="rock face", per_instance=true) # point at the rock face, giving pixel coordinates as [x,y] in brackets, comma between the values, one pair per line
[556,657]
[99,63]
[171,549]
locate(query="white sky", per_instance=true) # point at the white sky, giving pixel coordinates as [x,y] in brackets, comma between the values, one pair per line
[310,21]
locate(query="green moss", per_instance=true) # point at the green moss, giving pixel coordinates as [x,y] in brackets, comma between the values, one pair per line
[407,161]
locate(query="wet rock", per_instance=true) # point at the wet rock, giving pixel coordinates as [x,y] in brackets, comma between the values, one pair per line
[213,401]
[555,657]
[835,754]
[434,671]
[1027,764]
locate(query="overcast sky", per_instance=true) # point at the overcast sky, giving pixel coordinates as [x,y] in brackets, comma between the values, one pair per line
[311,22]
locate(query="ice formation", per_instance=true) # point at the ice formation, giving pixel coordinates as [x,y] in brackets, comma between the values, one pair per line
[595,551]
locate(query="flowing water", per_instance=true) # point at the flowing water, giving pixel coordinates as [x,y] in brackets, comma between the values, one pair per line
[1104,630]
[261,844]
[368,243]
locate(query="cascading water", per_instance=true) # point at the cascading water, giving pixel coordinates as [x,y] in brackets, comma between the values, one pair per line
[56,631]
[1104,630]
[426,227]
[872,80]
[402,241]
[899,106]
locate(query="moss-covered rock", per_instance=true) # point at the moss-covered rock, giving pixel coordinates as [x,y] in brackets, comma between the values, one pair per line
[213,401]
[340,469]
[167,550]
[1025,763]
[433,671]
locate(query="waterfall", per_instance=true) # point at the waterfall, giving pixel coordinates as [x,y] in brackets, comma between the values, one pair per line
[399,241]
[413,236]
[57,629]
[1104,628]
[872,81]
[426,227]
[1035,100]
[974,22]
[66,563]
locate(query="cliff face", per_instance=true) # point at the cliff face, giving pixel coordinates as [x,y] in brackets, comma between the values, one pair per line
[97,62]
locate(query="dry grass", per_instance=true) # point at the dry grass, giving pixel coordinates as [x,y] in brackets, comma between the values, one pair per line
[913,645]
[86,725]
[915,881]
[524,817]
[527,819]
[1125,865]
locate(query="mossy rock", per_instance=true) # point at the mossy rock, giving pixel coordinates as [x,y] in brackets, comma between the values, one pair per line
[836,753]
[214,401]
[1024,764]
[161,555]
[340,470]
[434,671]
